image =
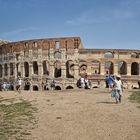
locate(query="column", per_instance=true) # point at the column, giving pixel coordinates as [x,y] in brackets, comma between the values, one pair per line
[63,54]
[63,70]
[22,70]
[129,69]
[52,69]
[76,71]
[40,73]
[30,69]
[40,69]
[15,71]
[102,68]
[115,68]
[30,75]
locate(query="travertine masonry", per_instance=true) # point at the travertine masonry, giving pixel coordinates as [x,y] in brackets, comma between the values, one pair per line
[65,60]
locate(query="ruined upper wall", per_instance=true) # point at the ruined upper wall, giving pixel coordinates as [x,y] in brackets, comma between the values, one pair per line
[45,44]
[116,53]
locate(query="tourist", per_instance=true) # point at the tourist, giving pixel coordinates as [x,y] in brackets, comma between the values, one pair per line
[53,84]
[139,83]
[118,88]
[107,86]
[27,85]
[19,85]
[78,83]
[82,82]
[47,84]
[110,81]
[86,82]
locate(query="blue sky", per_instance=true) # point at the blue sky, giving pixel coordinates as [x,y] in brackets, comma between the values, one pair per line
[99,23]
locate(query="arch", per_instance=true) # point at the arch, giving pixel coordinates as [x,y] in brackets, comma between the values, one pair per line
[18,69]
[108,55]
[95,67]
[69,69]
[35,88]
[122,67]
[11,69]
[1,69]
[35,67]
[57,71]
[45,68]
[57,88]
[11,87]
[5,69]
[26,45]
[57,55]
[83,69]
[109,67]
[135,68]
[35,44]
[134,55]
[69,87]
[26,69]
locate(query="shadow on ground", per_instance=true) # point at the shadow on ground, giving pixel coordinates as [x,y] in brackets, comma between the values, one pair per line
[105,102]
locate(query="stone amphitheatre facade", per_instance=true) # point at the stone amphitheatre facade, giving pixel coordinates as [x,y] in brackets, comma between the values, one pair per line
[65,60]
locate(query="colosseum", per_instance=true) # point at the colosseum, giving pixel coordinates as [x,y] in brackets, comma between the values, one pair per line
[65,60]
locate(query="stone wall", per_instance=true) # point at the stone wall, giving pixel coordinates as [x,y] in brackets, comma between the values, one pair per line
[65,60]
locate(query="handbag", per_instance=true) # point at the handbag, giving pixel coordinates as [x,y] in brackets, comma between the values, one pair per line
[113,94]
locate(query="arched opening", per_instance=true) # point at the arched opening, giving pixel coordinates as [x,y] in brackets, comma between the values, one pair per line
[11,87]
[69,87]
[57,71]
[95,67]
[35,88]
[83,69]
[134,68]
[70,69]
[134,55]
[11,69]
[26,68]
[5,69]
[45,68]
[122,68]
[35,67]
[108,55]
[57,88]
[57,55]
[95,86]
[1,70]
[109,67]
[18,70]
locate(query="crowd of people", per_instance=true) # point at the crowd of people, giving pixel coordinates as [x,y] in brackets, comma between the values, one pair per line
[113,83]
[84,82]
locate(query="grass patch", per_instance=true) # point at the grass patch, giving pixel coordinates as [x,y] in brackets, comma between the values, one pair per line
[135,96]
[15,118]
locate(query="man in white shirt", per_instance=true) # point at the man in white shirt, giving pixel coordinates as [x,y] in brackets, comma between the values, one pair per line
[118,88]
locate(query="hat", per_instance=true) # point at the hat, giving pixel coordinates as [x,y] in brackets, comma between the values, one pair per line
[118,76]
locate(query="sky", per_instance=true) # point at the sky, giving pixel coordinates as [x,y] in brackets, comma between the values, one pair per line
[101,24]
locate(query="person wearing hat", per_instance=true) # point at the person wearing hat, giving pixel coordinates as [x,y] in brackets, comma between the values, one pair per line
[118,88]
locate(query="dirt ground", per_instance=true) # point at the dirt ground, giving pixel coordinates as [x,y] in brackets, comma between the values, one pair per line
[83,115]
